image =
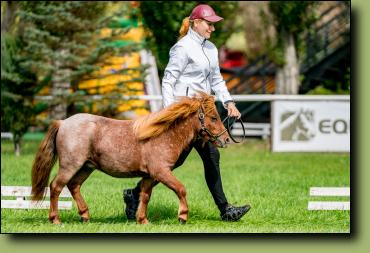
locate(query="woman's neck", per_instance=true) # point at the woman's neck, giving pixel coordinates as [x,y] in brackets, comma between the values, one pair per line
[195,35]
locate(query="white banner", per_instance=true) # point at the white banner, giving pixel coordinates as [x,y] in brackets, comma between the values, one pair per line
[311,126]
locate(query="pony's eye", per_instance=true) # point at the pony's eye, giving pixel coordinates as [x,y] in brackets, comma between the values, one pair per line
[213,119]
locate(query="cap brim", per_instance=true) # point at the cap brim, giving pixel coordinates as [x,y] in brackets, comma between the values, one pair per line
[213,18]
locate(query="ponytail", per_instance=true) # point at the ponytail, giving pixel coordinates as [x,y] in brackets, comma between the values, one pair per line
[184,27]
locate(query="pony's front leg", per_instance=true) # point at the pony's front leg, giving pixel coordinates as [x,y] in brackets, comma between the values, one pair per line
[167,178]
[145,193]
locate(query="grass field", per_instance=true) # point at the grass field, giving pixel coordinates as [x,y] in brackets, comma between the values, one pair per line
[275,184]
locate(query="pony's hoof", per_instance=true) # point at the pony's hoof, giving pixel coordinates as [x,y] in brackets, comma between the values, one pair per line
[56,222]
[143,222]
[182,221]
[85,220]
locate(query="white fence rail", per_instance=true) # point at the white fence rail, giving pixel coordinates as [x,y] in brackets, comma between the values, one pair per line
[252,129]
[6,135]
[329,205]
[22,193]
[329,192]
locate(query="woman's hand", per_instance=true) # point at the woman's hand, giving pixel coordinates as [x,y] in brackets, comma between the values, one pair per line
[232,111]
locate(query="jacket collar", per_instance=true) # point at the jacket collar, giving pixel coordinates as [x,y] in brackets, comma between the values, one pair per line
[195,36]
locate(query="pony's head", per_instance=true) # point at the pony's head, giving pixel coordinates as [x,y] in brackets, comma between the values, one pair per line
[209,125]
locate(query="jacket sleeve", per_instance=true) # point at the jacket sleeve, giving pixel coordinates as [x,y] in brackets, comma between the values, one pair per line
[218,86]
[176,65]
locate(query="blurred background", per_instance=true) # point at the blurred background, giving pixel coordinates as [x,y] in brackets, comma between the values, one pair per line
[59,58]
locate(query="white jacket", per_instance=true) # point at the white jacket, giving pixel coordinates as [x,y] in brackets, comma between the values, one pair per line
[193,66]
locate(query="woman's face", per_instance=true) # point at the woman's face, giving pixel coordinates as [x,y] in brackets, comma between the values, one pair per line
[203,28]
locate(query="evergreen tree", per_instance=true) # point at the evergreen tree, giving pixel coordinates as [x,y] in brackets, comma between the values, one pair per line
[63,41]
[53,44]
[18,88]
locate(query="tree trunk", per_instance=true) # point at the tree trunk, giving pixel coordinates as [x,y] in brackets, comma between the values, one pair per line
[287,77]
[60,88]
[17,144]
[9,15]
[260,31]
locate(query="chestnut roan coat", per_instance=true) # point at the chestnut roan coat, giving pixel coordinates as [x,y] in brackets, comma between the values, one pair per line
[147,147]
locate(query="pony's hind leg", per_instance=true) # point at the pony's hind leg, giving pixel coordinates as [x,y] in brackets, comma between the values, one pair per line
[56,186]
[145,193]
[74,186]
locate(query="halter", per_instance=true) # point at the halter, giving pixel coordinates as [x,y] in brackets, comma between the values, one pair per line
[213,137]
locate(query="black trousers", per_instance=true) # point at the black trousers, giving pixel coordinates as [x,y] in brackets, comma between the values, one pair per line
[211,162]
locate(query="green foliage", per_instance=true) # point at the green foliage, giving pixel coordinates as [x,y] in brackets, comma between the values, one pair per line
[331,87]
[322,90]
[18,87]
[291,18]
[54,41]
[67,45]
[67,39]
[347,78]
[163,20]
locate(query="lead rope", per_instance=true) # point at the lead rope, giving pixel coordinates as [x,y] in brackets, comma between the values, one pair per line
[229,130]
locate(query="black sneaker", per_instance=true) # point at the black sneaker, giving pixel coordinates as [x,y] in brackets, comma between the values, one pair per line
[132,204]
[234,213]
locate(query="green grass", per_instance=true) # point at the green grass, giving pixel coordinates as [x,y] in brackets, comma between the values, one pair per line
[275,184]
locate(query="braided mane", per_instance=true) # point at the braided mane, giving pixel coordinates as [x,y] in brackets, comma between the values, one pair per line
[154,124]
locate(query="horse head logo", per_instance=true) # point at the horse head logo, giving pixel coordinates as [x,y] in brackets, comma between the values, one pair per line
[297,125]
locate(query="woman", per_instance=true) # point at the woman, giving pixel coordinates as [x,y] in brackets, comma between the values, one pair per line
[193,66]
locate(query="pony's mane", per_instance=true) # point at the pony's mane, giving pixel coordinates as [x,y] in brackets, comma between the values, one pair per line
[154,124]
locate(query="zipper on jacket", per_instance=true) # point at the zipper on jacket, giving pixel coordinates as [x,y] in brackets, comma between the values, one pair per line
[209,62]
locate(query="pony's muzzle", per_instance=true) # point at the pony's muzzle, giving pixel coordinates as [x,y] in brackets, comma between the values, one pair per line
[223,143]
[227,140]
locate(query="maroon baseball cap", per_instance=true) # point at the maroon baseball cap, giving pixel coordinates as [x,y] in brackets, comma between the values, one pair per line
[204,11]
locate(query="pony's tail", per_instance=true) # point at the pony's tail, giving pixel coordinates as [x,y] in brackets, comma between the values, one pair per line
[44,161]
[184,27]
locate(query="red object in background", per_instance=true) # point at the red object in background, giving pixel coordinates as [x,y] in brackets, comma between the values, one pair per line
[135,4]
[232,59]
